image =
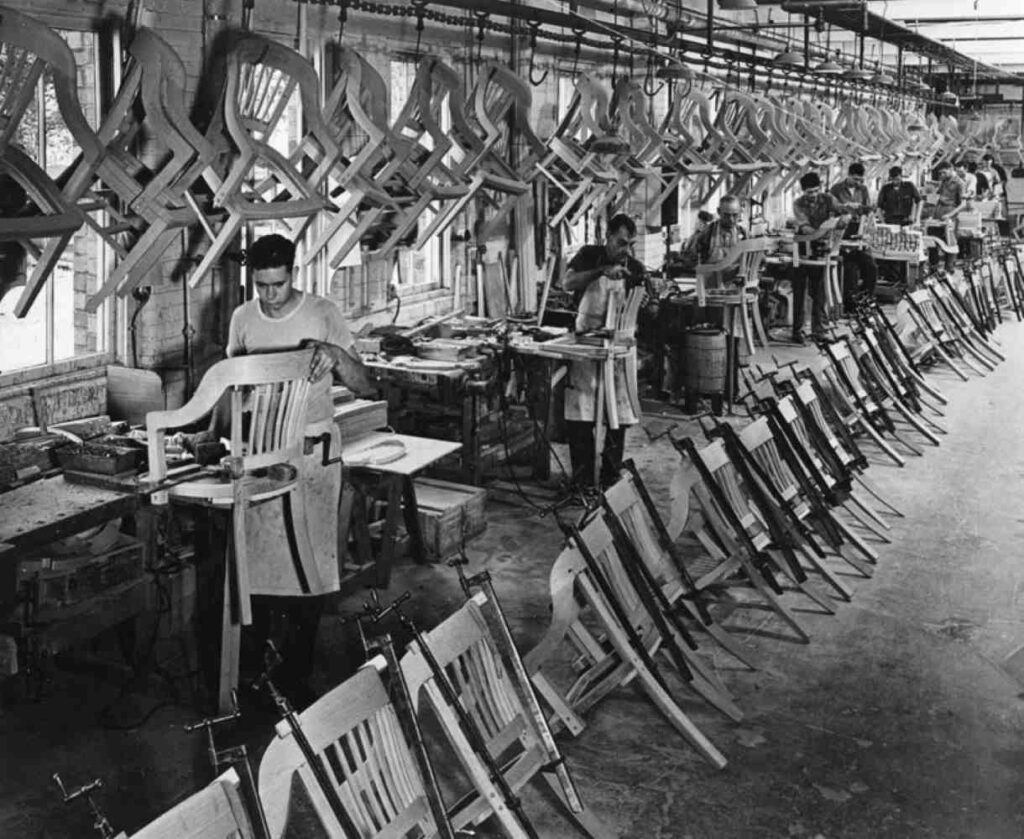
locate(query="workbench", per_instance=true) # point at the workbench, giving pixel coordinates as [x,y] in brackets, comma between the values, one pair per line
[460,402]
[394,480]
[50,509]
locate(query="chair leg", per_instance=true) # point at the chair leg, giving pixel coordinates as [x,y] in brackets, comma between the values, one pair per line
[231,227]
[762,334]
[651,686]
[230,648]
[44,266]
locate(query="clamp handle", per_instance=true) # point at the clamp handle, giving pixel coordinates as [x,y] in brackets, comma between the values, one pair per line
[85,789]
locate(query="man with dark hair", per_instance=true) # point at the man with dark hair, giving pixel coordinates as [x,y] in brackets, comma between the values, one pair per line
[278,319]
[591,275]
[811,210]
[860,273]
[899,200]
[951,201]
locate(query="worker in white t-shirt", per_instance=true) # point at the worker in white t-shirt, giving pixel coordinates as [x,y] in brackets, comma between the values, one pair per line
[282,318]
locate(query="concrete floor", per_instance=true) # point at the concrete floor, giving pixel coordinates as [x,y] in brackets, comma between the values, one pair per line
[902,718]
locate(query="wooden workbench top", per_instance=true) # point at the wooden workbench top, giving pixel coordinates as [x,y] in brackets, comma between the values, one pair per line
[52,508]
[420,452]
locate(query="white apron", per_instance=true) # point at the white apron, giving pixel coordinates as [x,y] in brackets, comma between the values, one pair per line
[581,387]
[271,565]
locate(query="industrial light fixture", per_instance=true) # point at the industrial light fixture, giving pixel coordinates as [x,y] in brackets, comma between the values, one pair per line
[881,77]
[828,67]
[915,123]
[949,97]
[788,58]
[737,5]
[857,74]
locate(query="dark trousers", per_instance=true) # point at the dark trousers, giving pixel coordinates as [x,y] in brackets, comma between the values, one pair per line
[581,453]
[290,622]
[860,274]
[809,278]
[939,232]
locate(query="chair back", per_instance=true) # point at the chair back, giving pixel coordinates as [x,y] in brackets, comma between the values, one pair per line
[268,396]
[489,690]
[27,49]
[215,812]
[357,734]
[262,76]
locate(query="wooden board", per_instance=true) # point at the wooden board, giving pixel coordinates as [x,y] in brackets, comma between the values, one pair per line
[420,452]
[495,291]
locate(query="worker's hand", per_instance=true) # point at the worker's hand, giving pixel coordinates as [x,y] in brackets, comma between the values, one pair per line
[616,272]
[325,358]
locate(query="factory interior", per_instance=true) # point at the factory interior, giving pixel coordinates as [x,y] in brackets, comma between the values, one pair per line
[472,418]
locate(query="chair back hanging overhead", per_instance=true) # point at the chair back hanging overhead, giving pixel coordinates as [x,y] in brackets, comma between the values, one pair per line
[33,54]
[262,183]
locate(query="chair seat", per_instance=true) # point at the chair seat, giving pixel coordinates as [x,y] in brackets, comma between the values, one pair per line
[219,492]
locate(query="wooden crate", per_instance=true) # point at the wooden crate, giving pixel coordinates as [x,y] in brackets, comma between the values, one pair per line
[448,513]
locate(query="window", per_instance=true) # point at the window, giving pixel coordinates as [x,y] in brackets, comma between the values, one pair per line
[424,268]
[57,327]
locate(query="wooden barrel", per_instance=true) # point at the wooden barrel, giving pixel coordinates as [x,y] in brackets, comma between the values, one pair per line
[704,361]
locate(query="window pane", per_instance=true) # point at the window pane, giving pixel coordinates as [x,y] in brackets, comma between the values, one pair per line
[56,327]
[22,340]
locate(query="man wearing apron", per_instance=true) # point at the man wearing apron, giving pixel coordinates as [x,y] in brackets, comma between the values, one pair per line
[279,319]
[591,275]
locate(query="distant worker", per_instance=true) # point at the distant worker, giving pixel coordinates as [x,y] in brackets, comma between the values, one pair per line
[811,209]
[860,273]
[591,275]
[899,200]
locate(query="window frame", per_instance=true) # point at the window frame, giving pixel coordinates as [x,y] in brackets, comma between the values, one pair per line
[112,316]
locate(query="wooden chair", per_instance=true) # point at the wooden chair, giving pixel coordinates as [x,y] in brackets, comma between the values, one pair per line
[781,466]
[261,78]
[701,508]
[369,182]
[32,54]
[848,399]
[630,503]
[355,730]
[497,700]
[153,191]
[268,395]
[574,588]
[741,296]
[830,233]
[215,812]
[757,522]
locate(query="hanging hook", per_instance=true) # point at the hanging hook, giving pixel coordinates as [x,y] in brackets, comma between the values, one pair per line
[343,18]
[576,55]
[420,7]
[481,22]
[617,40]
[534,29]
[649,88]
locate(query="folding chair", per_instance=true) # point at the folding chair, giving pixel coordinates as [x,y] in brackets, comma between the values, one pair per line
[578,582]
[630,503]
[356,731]
[766,497]
[733,556]
[501,706]
[215,812]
